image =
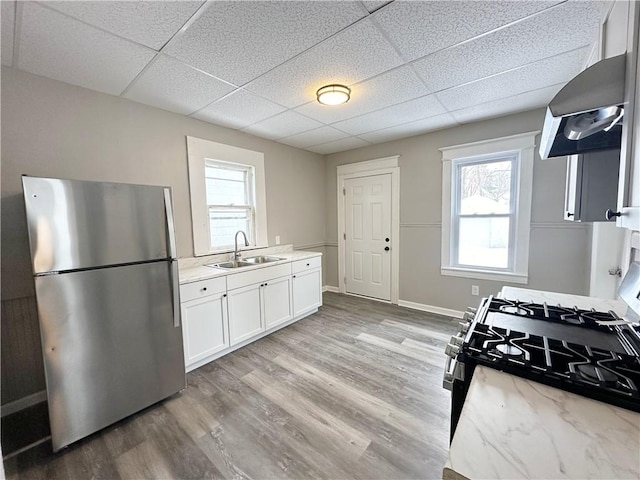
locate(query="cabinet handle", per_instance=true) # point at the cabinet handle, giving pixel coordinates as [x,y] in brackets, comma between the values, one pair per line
[386,249]
[224,295]
[204,289]
[610,214]
[569,214]
[266,284]
[294,276]
[386,239]
[308,264]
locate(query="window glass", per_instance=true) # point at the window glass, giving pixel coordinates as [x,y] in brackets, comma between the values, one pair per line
[484,242]
[229,190]
[485,188]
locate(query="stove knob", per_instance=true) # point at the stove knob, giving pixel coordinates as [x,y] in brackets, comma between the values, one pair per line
[472,310]
[455,340]
[464,327]
[468,316]
[451,350]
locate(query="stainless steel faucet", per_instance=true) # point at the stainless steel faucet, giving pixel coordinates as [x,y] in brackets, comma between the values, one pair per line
[236,254]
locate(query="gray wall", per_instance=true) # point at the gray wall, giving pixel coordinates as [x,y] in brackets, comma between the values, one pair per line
[558,252]
[54,129]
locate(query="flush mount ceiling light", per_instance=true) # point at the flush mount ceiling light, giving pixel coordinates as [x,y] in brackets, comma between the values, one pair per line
[333,94]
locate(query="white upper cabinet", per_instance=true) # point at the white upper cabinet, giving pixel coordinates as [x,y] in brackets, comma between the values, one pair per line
[620,34]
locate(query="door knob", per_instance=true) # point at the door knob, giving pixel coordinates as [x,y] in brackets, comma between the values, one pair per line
[386,249]
[610,214]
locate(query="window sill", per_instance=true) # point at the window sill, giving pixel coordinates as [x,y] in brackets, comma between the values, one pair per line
[485,275]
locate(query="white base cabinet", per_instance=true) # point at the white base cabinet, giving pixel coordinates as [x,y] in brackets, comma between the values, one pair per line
[205,324]
[276,302]
[307,291]
[245,313]
[222,314]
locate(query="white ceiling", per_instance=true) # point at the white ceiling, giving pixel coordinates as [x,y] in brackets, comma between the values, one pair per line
[413,66]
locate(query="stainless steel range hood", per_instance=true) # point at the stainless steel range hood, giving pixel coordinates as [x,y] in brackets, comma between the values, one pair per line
[586,114]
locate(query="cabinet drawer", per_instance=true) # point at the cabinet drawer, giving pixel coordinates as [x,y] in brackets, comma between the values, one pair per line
[191,291]
[307,264]
[258,275]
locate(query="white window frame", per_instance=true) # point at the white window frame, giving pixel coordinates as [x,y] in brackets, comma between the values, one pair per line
[522,148]
[199,152]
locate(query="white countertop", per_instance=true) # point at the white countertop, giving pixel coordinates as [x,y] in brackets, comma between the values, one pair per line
[193,270]
[511,427]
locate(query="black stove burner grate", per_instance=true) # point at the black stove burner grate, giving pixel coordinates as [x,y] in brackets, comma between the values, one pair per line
[556,314]
[600,374]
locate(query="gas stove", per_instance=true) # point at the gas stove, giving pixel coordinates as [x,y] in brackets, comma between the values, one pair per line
[590,353]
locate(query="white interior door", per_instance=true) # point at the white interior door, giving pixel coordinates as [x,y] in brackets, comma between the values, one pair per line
[368,236]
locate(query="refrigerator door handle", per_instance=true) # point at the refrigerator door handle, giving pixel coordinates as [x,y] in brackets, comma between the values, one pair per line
[176,293]
[171,234]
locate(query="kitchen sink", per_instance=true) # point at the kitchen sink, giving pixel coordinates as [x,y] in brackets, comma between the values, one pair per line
[260,259]
[230,264]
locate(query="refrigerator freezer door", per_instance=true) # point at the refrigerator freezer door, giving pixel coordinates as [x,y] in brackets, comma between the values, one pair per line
[110,345]
[75,224]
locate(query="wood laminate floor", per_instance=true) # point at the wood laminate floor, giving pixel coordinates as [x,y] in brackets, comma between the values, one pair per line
[352,392]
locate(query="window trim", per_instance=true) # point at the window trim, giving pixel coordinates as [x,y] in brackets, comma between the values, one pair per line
[198,151]
[524,145]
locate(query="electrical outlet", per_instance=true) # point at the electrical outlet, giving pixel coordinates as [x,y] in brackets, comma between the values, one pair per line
[475,290]
[277,239]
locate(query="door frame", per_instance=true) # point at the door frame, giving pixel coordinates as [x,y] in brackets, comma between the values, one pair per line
[379,166]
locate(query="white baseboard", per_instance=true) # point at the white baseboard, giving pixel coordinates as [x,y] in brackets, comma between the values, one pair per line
[22,403]
[329,288]
[431,309]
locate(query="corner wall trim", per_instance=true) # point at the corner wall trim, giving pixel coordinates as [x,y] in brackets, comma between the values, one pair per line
[431,309]
[330,288]
[22,403]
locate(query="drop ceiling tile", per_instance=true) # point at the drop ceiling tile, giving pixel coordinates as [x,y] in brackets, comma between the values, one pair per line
[148,23]
[56,46]
[314,137]
[424,107]
[543,73]
[410,129]
[420,28]
[506,106]
[557,30]
[282,125]
[338,146]
[353,55]
[8,13]
[238,41]
[174,86]
[373,5]
[395,86]
[238,110]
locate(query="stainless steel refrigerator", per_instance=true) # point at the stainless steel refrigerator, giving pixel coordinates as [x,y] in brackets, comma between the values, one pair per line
[106,279]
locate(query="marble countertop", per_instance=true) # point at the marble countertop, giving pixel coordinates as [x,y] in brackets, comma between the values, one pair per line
[511,427]
[565,299]
[193,269]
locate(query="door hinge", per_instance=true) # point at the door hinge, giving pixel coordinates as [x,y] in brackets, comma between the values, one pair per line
[344,191]
[344,236]
[345,279]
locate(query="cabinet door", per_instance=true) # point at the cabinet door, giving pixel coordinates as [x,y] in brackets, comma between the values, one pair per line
[307,291]
[276,296]
[245,313]
[205,326]
[573,188]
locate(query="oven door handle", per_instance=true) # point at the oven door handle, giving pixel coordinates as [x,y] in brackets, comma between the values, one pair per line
[449,378]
